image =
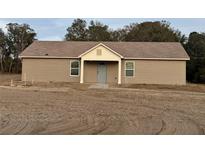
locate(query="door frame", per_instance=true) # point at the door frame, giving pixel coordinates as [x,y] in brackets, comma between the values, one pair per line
[105,65]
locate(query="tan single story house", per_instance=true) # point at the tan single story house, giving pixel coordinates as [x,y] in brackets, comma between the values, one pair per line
[105,62]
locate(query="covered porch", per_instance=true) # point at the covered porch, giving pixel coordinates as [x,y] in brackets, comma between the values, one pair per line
[100,72]
[100,64]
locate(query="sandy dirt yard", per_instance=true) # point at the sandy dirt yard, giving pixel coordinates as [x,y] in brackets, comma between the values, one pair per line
[76,109]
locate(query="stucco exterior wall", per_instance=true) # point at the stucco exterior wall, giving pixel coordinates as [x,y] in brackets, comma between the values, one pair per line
[112,72]
[90,72]
[47,70]
[146,71]
[156,72]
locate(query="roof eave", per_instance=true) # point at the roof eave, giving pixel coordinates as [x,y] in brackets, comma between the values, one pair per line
[49,57]
[131,58]
[183,59]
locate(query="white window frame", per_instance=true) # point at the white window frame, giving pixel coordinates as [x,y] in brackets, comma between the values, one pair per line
[130,69]
[75,68]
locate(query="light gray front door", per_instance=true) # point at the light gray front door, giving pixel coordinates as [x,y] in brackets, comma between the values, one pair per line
[101,73]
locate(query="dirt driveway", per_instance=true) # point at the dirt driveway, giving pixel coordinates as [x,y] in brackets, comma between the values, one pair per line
[76,109]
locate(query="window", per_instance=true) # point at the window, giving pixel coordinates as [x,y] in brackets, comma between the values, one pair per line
[129,68]
[74,68]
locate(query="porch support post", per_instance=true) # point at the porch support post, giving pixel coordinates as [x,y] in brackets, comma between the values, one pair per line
[119,71]
[82,71]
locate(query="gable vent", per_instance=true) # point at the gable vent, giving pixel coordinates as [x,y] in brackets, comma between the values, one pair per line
[99,52]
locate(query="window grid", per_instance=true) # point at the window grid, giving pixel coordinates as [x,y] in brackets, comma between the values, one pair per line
[130,69]
[73,68]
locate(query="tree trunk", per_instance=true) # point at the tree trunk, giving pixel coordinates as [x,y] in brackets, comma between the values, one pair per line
[10,66]
[1,61]
[17,66]
[2,67]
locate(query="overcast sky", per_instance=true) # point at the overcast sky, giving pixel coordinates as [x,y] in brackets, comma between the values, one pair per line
[55,29]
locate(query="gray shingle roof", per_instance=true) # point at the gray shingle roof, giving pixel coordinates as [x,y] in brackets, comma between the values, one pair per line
[130,50]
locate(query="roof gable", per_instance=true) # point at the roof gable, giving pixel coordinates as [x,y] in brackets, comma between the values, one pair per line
[98,45]
[100,53]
